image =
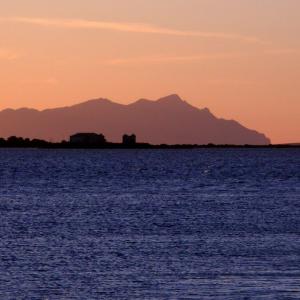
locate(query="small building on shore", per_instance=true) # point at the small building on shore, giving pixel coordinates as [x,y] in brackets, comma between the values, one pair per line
[87,139]
[129,140]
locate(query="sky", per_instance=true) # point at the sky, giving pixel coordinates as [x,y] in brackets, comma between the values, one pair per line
[239,58]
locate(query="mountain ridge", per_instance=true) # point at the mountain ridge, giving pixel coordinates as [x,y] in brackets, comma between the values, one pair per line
[168,120]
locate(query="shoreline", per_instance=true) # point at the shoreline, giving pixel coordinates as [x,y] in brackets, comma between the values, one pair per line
[112,146]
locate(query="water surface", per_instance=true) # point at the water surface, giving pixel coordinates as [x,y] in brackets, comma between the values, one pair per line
[150,224]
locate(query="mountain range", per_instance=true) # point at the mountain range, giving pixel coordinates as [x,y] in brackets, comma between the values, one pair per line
[169,120]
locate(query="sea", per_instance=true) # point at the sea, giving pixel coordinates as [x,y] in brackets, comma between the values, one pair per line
[150,224]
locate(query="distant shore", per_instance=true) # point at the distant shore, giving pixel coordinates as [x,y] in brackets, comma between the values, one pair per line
[14,142]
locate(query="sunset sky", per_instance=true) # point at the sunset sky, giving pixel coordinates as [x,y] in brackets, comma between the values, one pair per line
[239,58]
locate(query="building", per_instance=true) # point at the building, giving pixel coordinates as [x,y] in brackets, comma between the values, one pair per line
[87,139]
[129,140]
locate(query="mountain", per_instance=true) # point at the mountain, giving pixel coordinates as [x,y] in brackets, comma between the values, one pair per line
[168,120]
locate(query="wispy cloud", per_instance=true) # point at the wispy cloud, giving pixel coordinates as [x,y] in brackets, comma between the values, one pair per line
[172,59]
[282,51]
[130,27]
[201,57]
[8,55]
[51,81]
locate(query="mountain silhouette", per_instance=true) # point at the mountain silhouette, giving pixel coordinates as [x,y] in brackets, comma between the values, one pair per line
[169,120]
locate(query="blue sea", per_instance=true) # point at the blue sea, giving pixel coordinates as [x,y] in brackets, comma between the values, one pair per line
[150,224]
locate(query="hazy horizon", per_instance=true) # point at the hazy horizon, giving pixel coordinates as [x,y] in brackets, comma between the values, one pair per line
[239,58]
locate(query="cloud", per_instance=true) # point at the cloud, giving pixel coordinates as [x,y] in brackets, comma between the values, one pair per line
[8,55]
[168,59]
[282,51]
[200,57]
[130,27]
[51,81]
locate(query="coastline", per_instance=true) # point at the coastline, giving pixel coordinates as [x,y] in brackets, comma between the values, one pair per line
[146,146]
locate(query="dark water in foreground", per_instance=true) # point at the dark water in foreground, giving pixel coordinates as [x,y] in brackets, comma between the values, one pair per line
[150,224]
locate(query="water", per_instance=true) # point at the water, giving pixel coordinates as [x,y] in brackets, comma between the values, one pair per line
[150,224]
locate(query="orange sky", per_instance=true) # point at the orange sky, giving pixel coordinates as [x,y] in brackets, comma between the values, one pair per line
[240,58]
